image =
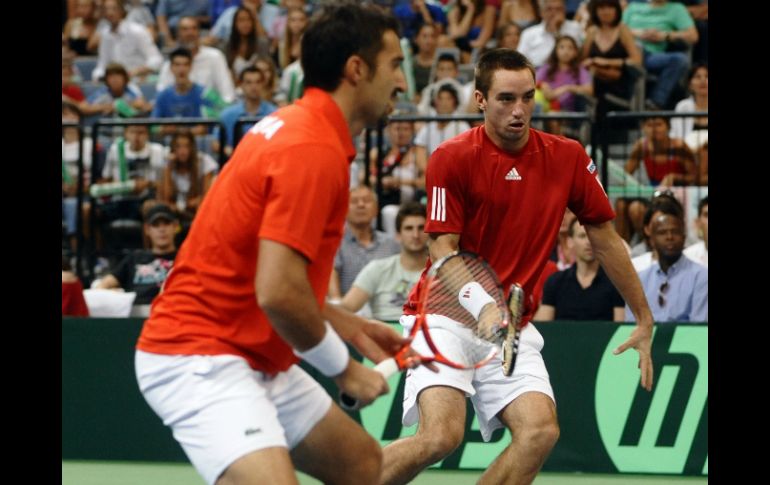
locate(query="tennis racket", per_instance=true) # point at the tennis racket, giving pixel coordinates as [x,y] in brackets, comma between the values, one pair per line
[451,287]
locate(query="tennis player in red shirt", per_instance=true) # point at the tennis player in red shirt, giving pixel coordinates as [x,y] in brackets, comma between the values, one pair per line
[216,360]
[500,190]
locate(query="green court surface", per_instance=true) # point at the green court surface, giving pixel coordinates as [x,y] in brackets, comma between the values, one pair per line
[132,473]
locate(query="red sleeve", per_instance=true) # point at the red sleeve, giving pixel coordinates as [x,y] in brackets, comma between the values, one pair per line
[446,194]
[303,185]
[587,198]
[73,303]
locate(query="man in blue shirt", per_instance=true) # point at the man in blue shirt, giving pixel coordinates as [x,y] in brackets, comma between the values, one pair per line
[183,99]
[675,286]
[252,104]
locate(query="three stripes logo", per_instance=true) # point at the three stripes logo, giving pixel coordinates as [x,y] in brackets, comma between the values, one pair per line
[438,209]
[513,175]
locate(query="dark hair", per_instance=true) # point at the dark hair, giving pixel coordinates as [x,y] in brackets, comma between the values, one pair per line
[667,121]
[497,59]
[694,70]
[553,59]
[665,204]
[116,68]
[704,202]
[233,46]
[180,52]
[251,68]
[446,56]
[338,31]
[447,88]
[409,209]
[193,162]
[594,5]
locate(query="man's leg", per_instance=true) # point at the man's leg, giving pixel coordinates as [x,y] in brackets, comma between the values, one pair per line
[338,451]
[440,431]
[670,67]
[531,418]
[269,465]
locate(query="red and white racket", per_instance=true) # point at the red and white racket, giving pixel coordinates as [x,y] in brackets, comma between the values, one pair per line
[464,288]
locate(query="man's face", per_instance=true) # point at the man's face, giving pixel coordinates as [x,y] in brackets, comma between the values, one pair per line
[379,88]
[401,133]
[445,103]
[137,137]
[553,10]
[508,107]
[180,68]
[656,128]
[112,12]
[362,208]
[252,85]
[161,233]
[116,83]
[668,236]
[188,32]
[580,244]
[412,235]
[446,70]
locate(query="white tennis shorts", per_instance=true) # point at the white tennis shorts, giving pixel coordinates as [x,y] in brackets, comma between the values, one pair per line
[220,409]
[489,389]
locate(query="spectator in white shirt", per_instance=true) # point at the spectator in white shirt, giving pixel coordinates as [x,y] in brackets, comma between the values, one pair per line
[126,43]
[538,41]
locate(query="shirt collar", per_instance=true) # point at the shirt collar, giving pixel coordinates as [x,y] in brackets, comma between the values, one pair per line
[319,101]
[674,268]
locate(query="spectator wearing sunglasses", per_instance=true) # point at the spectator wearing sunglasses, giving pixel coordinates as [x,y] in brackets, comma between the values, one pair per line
[675,286]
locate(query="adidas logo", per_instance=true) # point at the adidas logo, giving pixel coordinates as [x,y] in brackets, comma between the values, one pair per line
[513,175]
[467,293]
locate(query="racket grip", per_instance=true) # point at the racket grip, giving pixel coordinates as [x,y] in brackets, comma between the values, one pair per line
[387,368]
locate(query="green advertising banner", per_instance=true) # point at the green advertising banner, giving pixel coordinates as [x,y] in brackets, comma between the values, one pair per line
[609,424]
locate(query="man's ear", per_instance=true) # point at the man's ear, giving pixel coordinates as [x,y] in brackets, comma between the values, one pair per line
[480,101]
[355,69]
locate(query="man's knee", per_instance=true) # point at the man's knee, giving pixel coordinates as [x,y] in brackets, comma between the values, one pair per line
[367,463]
[440,441]
[541,436]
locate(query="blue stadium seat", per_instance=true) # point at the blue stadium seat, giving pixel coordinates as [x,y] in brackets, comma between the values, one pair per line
[89,88]
[148,91]
[85,66]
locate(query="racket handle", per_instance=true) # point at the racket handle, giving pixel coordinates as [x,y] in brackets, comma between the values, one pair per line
[387,368]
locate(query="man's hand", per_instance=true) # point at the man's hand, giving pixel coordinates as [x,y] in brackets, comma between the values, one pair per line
[377,341]
[490,325]
[361,383]
[641,340]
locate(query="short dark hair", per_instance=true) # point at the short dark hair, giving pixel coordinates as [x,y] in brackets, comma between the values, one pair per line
[496,59]
[116,68]
[337,31]
[409,209]
[448,88]
[704,202]
[180,52]
[447,57]
[594,5]
[249,69]
[695,68]
[665,204]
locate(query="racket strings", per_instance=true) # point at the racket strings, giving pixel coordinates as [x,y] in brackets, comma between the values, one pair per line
[478,344]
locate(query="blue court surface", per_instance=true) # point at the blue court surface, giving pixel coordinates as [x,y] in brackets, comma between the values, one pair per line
[132,473]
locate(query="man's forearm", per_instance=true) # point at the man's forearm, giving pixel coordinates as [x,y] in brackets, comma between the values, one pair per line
[612,255]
